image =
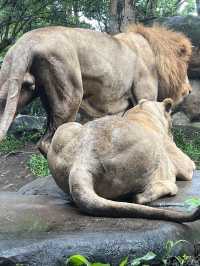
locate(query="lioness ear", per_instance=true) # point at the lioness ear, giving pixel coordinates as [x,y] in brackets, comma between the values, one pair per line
[142,101]
[168,104]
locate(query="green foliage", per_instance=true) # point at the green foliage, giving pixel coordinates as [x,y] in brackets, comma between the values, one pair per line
[18,17]
[189,8]
[190,146]
[38,165]
[192,203]
[144,259]
[149,259]
[97,10]
[10,144]
[31,137]
[79,260]
[35,108]
[182,260]
[124,262]
[168,249]
[163,8]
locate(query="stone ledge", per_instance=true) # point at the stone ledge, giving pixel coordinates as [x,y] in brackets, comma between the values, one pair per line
[44,229]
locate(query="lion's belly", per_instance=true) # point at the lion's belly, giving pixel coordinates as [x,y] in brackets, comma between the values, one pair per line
[106,92]
[101,108]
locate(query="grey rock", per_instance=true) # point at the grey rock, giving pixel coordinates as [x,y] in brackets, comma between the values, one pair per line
[187,113]
[27,123]
[45,186]
[180,119]
[189,25]
[44,229]
[191,104]
[181,122]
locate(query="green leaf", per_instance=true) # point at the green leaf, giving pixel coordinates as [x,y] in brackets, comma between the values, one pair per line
[100,264]
[192,202]
[168,247]
[149,256]
[136,262]
[124,262]
[38,165]
[77,260]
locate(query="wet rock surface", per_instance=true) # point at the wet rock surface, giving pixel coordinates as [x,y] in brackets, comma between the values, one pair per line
[187,114]
[181,122]
[27,123]
[39,226]
[191,104]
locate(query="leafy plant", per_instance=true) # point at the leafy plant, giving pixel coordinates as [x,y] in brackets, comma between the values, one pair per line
[31,136]
[79,260]
[35,108]
[38,165]
[124,262]
[182,259]
[192,202]
[10,144]
[190,146]
[149,259]
[169,247]
[146,258]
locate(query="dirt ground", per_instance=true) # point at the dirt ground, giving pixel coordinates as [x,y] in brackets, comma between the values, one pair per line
[14,172]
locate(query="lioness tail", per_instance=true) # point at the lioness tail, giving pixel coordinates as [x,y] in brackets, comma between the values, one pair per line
[85,197]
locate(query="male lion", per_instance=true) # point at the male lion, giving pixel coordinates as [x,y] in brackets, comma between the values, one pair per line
[71,68]
[112,157]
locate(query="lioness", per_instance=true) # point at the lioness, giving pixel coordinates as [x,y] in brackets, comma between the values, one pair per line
[112,157]
[71,68]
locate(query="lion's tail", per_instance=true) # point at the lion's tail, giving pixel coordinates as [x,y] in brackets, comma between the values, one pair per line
[85,197]
[13,71]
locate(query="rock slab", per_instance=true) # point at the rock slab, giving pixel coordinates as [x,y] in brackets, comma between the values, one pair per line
[39,226]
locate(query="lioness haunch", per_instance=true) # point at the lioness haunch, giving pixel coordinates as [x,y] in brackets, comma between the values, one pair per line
[114,156]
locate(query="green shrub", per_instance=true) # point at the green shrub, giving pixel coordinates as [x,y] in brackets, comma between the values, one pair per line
[31,136]
[35,108]
[190,146]
[148,259]
[10,144]
[38,165]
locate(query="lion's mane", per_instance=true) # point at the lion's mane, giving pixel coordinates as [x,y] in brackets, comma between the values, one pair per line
[172,52]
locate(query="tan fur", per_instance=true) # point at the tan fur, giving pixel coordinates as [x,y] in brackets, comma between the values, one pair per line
[72,68]
[112,157]
[172,52]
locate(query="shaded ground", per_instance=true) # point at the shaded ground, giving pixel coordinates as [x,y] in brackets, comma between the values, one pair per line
[14,172]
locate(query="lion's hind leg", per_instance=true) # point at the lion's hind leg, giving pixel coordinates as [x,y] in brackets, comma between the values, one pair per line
[161,183]
[183,165]
[155,191]
[62,93]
